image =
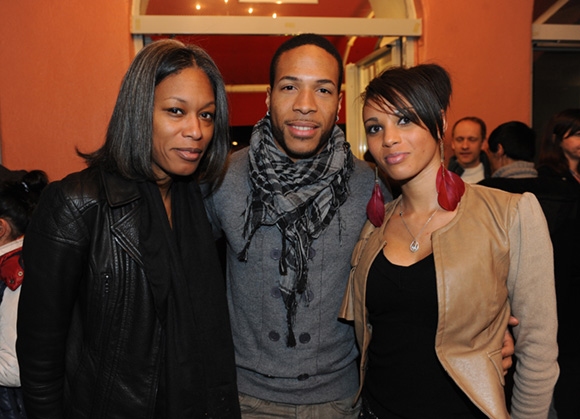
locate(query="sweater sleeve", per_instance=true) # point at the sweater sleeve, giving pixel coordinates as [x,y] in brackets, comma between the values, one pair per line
[54,256]
[533,302]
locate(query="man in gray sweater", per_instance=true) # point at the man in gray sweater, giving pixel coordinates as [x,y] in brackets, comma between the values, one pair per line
[291,207]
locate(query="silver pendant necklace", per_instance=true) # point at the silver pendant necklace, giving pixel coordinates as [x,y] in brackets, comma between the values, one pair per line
[414,246]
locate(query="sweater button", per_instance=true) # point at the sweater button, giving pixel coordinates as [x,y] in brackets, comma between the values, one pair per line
[274,336]
[275,254]
[275,292]
[304,337]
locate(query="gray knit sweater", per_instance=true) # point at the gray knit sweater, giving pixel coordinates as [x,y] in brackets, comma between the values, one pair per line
[322,365]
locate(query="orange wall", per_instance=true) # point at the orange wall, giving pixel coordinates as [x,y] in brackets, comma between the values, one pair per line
[61,65]
[486,47]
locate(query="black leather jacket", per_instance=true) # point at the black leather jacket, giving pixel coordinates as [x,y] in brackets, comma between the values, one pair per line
[84,269]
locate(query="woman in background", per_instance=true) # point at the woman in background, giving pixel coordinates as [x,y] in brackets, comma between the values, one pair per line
[559,162]
[18,198]
[123,313]
[560,149]
[434,284]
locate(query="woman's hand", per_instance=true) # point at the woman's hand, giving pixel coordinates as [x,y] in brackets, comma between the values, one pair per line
[508,347]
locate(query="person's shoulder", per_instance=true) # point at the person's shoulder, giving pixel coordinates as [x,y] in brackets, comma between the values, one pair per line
[235,177]
[484,190]
[361,177]
[478,194]
[80,188]
[72,182]
[237,167]
[238,159]
[362,169]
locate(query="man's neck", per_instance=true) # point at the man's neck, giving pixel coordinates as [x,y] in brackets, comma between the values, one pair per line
[473,174]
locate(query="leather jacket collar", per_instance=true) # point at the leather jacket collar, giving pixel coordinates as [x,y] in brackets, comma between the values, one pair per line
[119,191]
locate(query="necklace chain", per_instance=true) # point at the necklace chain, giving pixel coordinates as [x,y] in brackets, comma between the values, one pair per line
[414,246]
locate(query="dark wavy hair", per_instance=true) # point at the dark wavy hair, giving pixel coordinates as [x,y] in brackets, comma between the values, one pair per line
[18,199]
[306,39]
[420,93]
[517,140]
[561,126]
[128,144]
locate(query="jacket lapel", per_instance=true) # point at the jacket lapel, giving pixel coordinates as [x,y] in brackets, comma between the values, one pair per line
[125,221]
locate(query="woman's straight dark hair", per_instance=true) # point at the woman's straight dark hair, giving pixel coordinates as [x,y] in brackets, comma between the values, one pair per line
[128,144]
[420,93]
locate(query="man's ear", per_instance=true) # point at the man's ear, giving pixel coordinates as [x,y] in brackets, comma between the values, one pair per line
[268,93]
[339,102]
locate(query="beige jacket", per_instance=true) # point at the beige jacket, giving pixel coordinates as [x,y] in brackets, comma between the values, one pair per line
[496,252]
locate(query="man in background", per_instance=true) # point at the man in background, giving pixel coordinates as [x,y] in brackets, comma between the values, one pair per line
[467,139]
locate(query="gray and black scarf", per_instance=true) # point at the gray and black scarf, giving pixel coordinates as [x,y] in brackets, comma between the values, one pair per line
[300,198]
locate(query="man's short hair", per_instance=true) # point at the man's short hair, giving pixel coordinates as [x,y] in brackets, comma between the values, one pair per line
[517,139]
[306,39]
[472,119]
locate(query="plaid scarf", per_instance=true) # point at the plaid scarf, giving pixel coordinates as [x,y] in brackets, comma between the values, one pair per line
[300,198]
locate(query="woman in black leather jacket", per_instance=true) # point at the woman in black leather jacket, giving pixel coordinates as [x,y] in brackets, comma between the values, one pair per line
[124,314]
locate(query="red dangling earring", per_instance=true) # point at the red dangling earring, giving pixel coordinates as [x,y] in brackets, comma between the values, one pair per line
[450,187]
[376,205]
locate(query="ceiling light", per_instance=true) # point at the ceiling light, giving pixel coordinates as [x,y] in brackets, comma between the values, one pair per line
[274,15]
[280,1]
[197,6]
[250,10]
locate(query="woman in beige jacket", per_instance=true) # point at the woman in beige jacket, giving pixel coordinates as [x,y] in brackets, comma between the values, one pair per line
[433,285]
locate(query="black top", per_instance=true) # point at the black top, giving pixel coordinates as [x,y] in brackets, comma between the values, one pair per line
[405,378]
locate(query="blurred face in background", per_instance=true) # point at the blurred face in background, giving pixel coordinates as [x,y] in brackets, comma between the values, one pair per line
[467,143]
[571,147]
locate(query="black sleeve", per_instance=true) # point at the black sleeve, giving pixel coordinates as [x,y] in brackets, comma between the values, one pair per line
[55,257]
